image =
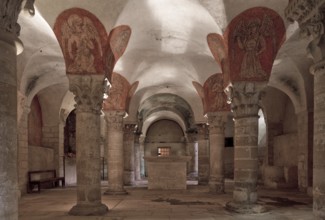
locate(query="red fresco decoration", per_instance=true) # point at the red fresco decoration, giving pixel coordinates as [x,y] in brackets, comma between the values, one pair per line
[214,99]
[214,95]
[254,38]
[118,40]
[83,40]
[200,90]
[119,94]
[219,51]
[132,90]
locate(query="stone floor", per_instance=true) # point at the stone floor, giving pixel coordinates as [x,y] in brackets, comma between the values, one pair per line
[194,203]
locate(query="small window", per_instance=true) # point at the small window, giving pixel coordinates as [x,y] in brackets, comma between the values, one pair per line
[163,151]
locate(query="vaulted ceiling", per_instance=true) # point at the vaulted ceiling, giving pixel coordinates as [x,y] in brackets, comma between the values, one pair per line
[166,53]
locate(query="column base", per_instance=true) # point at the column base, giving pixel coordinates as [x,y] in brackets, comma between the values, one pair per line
[128,178]
[216,187]
[115,192]
[88,209]
[245,208]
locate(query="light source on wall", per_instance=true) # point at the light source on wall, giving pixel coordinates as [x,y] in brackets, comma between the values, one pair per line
[206,116]
[107,85]
[125,115]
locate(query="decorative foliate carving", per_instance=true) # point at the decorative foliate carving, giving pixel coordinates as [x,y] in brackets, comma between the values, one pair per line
[217,122]
[308,14]
[245,98]
[9,12]
[301,10]
[115,120]
[88,91]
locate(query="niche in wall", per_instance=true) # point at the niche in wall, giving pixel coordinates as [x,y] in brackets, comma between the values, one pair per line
[164,133]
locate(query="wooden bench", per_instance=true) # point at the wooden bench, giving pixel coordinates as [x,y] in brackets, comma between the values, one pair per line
[41,177]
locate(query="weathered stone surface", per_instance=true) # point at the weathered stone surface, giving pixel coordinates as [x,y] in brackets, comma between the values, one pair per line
[129,154]
[88,91]
[203,154]
[167,172]
[8,125]
[245,104]
[115,160]
[217,122]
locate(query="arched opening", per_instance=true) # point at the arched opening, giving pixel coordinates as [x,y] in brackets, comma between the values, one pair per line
[70,149]
[164,135]
[281,155]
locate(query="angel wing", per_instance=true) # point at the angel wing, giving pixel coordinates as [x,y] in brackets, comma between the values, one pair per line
[240,33]
[267,26]
[267,30]
[66,33]
[92,33]
[119,38]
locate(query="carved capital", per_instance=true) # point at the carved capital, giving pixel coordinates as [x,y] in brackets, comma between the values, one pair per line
[115,120]
[88,91]
[245,98]
[217,122]
[129,130]
[202,131]
[191,137]
[9,12]
[302,10]
[310,16]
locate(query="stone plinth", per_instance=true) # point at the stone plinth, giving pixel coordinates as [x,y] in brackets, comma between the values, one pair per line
[167,172]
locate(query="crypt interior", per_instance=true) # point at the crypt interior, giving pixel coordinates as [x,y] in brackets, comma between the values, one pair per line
[162,109]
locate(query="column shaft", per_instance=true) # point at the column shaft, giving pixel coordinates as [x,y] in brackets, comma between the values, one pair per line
[137,159]
[129,154]
[115,160]
[8,130]
[88,91]
[23,150]
[245,104]
[217,145]
[203,155]
[319,145]
[246,160]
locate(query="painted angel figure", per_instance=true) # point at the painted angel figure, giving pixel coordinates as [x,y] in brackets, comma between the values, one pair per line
[250,37]
[80,33]
[217,88]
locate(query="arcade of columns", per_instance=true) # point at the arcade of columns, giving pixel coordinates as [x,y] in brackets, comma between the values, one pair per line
[88,91]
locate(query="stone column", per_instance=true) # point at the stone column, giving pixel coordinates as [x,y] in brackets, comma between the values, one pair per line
[273,129]
[10,46]
[191,141]
[319,141]
[244,97]
[137,159]
[88,91]
[128,146]
[310,16]
[204,163]
[142,162]
[23,150]
[303,150]
[115,160]
[217,121]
